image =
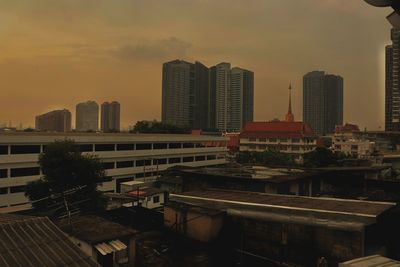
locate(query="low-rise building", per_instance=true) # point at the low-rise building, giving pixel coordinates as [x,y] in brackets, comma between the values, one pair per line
[295,138]
[137,194]
[126,157]
[348,140]
[106,242]
[292,230]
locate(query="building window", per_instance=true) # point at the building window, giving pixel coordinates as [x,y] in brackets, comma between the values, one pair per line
[188,145]
[148,174]
[211,157]
[175,145]
[143,146]
[295,148]
[125,164]
[354,147]
[160,146]
[156,199]
[283,140]
[104,147]
[174,160]
[25,149]
[17,189]
[3,150]
[30,171]
[3,173]
[84,148]
[140,175]
[252,139]
[272,140]
[262,140]
[159,161]
[143,162]
[188,159]
[199,145]
[200,158]
[295,140]
[3,190]
[125,147]
[108,165]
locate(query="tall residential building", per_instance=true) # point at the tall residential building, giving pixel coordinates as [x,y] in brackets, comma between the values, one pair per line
[234,96]
[54,121]
[199,100]
[87,116]
[176,87]
[322,101]
[392,86]
[202,98]
[222,93]
[110,117]
[240,99]
[185,94]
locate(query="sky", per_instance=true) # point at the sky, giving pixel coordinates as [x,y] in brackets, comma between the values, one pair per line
[55,54]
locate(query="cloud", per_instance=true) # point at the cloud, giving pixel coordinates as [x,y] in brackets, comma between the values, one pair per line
[155,50]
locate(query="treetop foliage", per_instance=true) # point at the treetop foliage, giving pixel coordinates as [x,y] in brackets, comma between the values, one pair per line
[158,127]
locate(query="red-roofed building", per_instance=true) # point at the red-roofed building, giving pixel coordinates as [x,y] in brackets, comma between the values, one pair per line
[347,128]
[289,136]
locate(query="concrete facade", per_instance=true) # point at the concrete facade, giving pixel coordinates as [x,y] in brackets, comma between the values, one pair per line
[392,86]
[110,117]
[54,121]
[322,101]
[126,157]
[87,116]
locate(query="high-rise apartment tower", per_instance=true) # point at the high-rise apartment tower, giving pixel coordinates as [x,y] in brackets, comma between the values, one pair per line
[87,116]
[110,117]
[54,121]
[392,86]
[201,98]
[322,101]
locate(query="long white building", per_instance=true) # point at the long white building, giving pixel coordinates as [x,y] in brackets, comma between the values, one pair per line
[126,157]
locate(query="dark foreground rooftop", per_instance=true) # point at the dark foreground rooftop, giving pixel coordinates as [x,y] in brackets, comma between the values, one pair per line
[94,229]
[36,241]
[364,208]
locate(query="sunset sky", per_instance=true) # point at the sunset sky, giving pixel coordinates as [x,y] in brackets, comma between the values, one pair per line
[56,53]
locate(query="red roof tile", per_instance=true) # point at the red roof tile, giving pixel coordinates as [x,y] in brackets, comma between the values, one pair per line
[279,129]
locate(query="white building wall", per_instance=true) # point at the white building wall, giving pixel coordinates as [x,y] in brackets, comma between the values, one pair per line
[206,151]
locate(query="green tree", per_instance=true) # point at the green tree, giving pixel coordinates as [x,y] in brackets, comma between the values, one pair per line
[320,157]
[157,127]
[68,175]
[268,157]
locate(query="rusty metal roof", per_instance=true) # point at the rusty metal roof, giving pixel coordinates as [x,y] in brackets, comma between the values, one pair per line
[36,241]
[94,229]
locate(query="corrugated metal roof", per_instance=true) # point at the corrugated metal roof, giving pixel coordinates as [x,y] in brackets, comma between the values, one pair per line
[36,241]
[94,229]
[371,261]
[363,208]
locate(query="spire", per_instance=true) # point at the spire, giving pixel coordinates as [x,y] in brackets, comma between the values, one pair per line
[289,116]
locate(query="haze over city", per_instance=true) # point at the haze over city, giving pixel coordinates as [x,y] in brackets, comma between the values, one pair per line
[58,53]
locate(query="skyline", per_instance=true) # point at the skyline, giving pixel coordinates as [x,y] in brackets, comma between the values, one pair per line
[100,50]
